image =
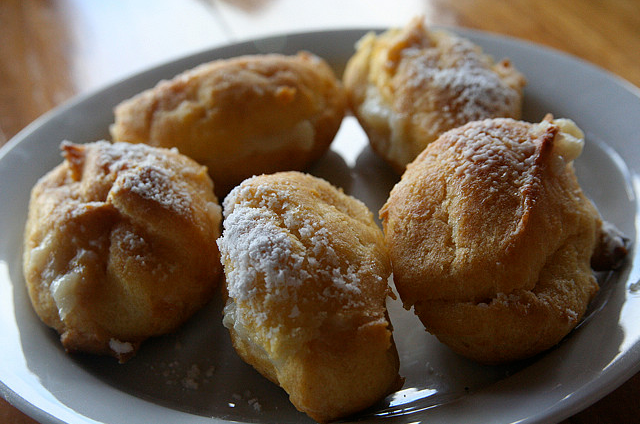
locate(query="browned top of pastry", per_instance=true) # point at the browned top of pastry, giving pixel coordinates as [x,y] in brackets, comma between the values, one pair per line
[302,258]
[409,85]
[307,277]
[481,210]
[240,116]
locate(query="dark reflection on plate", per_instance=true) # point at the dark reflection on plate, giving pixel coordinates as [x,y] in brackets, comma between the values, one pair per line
[194,370]
[332,167]
[376,177]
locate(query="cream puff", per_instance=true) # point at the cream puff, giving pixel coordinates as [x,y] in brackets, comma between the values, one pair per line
[408,85]
[119,245]
[307,278]
[241,116]
[491,237]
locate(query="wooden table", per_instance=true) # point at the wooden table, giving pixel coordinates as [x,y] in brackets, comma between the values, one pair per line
[51,51]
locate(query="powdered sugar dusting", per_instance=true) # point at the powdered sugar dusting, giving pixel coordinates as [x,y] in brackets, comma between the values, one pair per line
[259,247]
[276,247]
[145,171]
[132,242]
[469,88]
[121,156]
[495,150]
[155,183]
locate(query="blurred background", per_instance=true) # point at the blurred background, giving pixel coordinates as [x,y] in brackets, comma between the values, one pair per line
[51,50]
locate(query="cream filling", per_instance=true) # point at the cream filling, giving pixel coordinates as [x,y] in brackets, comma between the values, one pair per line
[63,290]
[39,255]
[121,348]
[569,142]
[63,287]
[232,322]
[382,117]
[301,136]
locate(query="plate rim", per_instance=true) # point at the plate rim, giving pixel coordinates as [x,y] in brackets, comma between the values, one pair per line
[614,376]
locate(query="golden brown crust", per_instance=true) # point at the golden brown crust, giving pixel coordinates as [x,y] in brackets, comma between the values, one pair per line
[306,270]
[109,242]
[242,116]
[490,238]
[407,86]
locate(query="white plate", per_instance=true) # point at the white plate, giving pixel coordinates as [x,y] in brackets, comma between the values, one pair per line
[194,376]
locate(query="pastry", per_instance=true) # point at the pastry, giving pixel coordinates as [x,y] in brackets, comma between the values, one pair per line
[491,236]
[120,245]
[407,86]
[306,270]
[242,116]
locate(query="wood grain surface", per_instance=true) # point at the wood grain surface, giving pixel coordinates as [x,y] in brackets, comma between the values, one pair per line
[51,51]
